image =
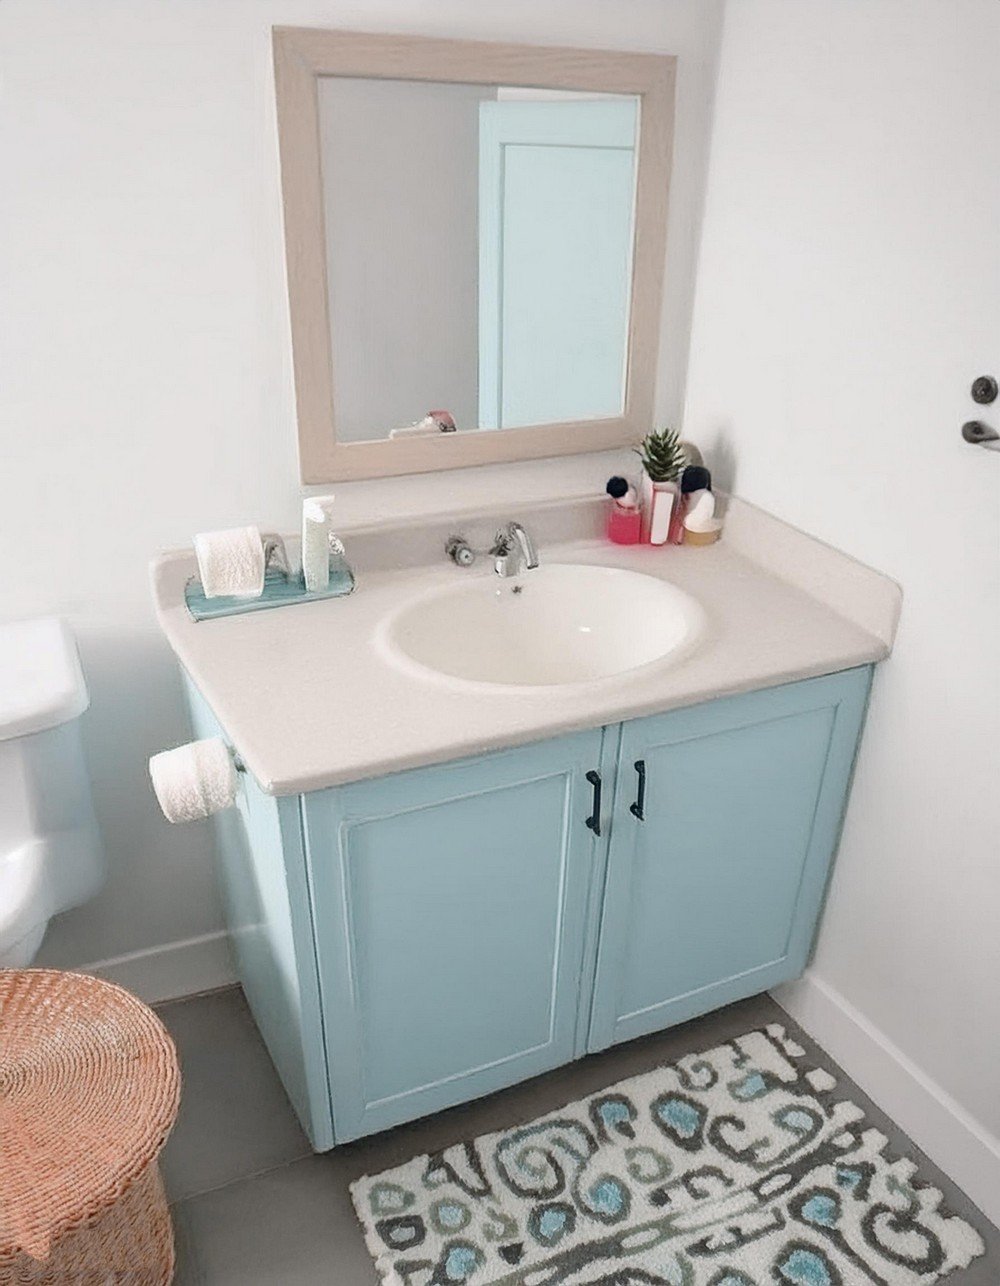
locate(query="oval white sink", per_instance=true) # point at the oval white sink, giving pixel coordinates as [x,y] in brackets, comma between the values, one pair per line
[559,624]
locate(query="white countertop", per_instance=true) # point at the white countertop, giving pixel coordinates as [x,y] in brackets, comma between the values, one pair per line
[309,701]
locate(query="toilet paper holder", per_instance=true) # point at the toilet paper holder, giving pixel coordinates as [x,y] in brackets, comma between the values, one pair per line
[196,779]
[282,585]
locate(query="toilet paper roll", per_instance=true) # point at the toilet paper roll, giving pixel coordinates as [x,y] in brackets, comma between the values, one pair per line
[231,562]
[195,780]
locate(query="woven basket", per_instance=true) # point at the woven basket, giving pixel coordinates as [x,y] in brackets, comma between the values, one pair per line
[89,1088]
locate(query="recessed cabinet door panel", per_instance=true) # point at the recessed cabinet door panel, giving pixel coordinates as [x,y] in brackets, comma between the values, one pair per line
[450,907]
[714,893]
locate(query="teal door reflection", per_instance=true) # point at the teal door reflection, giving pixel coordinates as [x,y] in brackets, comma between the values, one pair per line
[556,213]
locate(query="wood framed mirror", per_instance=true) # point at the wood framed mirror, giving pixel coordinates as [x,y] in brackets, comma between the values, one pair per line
[471,228]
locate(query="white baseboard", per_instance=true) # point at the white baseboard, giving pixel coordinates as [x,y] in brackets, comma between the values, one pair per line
[174,970]
[963,1148]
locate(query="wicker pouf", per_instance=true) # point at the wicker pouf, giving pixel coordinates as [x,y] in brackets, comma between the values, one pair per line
[89,1088]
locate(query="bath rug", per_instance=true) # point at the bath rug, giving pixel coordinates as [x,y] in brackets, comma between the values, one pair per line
[735,1167]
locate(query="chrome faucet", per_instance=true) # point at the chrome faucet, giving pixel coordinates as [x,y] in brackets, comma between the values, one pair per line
[512,549]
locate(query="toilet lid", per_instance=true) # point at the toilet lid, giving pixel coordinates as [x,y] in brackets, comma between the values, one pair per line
[41,683]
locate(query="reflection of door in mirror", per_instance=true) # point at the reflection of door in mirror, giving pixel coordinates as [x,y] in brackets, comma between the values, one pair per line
[478,252]
[555,230]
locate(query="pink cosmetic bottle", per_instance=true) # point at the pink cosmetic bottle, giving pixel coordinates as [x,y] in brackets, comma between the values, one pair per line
[624,517]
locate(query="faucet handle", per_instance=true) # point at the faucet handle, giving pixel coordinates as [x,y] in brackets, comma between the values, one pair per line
[502,543]
[512,546]
[460,551]
[502,553]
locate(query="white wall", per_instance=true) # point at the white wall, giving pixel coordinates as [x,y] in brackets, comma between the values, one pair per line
[145,374]
[848,293]
[401,199]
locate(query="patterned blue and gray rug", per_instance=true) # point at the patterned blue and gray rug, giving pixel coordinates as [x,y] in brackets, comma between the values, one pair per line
[736,1167]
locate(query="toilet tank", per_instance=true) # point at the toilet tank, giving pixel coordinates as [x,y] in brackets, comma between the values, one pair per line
[50,847]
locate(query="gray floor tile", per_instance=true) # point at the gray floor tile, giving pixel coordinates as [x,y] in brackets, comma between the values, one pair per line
[292,1227]
[235,1119]
[185,1271]
[296,1225]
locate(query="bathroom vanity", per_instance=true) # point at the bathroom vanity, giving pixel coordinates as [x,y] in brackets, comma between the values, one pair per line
[487,825]
[437,888]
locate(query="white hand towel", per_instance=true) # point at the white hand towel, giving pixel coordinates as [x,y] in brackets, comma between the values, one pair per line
[195,780]
[231,562]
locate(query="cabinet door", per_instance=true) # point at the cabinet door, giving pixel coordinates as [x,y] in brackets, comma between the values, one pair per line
[450,908]
[714,892]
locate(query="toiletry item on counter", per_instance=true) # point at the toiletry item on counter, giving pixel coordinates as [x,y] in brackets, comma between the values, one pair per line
[701,527]
[231,562]
[624,516]
[284,581]
[694,478]
[660,499]
[704,537]
[433,422]
[316,514]
[662,461]
[194,780]
[675,535]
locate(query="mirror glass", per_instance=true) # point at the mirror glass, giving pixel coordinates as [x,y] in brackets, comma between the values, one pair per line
[479,253]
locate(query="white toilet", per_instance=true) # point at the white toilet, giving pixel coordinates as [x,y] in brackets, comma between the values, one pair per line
[51,856]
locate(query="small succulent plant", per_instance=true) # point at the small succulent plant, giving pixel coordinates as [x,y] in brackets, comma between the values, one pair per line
[662,455]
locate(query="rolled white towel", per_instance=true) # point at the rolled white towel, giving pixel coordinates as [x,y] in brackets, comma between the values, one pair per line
[194,780]
[231,562]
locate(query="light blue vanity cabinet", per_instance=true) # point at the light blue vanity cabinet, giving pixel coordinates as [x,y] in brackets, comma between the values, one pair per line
[415,941]
[726,818]
[265,893]
[451,926]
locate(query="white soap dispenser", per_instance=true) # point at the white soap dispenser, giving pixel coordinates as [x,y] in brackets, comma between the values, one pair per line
[316,514]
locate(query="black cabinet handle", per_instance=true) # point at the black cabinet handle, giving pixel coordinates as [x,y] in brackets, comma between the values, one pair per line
[638,809]
[594,821]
